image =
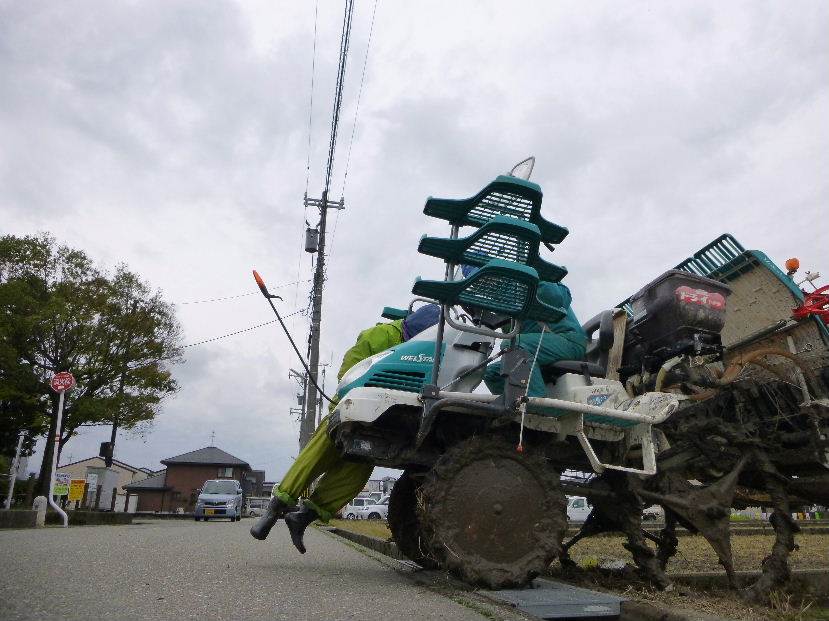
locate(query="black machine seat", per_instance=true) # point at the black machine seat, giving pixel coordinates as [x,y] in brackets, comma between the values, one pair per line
[599,331]
[553,371]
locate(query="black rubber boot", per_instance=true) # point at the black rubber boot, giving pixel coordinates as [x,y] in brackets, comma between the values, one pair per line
[276,509]
[297,522]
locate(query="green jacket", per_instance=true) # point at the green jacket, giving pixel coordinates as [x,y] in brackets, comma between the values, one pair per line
[372,341]
[557,294]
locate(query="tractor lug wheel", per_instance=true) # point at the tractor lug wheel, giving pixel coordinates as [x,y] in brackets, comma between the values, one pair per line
[404,521]
[493,516]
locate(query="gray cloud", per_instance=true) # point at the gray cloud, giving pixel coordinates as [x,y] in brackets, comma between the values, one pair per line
[172,135]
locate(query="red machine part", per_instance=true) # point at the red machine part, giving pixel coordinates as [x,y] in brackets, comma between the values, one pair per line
[688,295]
[815,303]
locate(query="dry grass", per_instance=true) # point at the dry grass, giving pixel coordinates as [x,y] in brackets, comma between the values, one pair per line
[719,603]
[372,528]
[695,554]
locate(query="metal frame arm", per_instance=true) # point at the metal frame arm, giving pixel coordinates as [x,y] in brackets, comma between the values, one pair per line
[483,331]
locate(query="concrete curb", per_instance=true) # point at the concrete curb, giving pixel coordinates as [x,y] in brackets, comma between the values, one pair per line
[91,518]
[162,516]
[389,548]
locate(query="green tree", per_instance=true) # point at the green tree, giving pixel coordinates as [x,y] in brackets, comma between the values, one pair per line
[58,312]
[21,399]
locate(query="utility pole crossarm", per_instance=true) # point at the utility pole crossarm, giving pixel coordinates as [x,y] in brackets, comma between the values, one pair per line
[317,203]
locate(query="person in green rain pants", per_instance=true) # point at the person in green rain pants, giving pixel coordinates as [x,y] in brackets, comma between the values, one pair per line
[341,480]
[561,340]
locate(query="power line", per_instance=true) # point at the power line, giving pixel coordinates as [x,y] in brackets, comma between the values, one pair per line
[228,297]
[345,39]
[241,295]
[354,124]
[357,108]
[311,105]
[248,329]
[308,157]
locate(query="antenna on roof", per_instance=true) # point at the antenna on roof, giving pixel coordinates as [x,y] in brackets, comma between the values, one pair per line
[212,437]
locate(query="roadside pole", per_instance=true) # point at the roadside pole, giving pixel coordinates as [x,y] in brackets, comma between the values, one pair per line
[61,382]
[13,470]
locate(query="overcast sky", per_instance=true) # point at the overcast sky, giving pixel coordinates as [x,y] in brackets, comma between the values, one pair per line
[174,136]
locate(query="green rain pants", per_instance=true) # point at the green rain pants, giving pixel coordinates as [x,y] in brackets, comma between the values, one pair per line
[554,347]
[341,480]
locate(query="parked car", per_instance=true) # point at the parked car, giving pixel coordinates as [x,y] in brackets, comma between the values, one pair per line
[256,505]
[577,508]
[378,511]
[653,513]
[375,496]
[367,509]
[219,498]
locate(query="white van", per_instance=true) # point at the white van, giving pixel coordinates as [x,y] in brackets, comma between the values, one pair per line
[577,508]
[367,509]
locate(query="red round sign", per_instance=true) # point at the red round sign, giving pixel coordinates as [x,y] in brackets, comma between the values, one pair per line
[63,381]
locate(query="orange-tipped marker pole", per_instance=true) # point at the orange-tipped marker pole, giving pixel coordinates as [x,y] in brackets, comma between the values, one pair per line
[270,298]
[261,284]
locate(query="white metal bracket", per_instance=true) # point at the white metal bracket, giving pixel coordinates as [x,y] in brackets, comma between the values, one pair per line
[638,435]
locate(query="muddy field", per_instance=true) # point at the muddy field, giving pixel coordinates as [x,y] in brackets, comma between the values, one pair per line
[787,605]
[694,555]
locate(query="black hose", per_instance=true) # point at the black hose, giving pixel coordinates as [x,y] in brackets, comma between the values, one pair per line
[269,298]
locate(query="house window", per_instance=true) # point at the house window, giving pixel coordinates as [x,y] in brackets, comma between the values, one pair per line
[225,472]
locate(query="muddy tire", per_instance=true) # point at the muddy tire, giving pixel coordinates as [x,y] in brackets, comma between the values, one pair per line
[404,522]
[491,515]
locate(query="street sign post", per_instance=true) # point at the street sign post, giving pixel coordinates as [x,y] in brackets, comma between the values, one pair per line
[61,382]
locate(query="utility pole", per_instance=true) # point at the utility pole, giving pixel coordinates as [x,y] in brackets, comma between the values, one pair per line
[301,378]
[308,423]
[13,469]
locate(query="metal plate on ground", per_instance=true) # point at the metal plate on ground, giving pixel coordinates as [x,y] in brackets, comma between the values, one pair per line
[549,599]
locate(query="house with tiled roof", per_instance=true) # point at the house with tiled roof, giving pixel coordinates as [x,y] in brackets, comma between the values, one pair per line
[177,486]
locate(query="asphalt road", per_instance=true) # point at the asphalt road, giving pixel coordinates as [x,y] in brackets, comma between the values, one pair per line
[171,569]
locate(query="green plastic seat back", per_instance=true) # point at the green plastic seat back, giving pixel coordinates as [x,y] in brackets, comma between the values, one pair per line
[500,238]
[500,286]
[506,196]
[389,312]
[504,238]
